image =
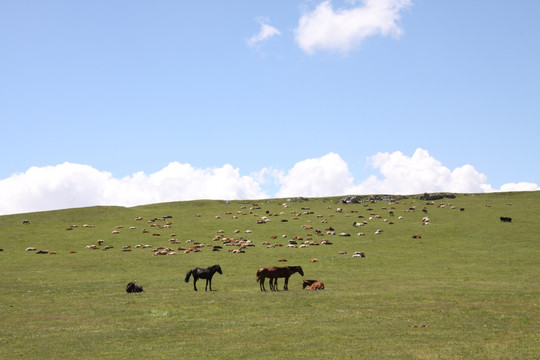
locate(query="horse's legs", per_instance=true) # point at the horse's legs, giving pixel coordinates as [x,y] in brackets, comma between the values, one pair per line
[195,282]
[208,282]
[286,286]
[261,284]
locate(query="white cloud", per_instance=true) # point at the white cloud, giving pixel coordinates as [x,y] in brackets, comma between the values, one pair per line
[342,30]
[266,32]
[71,185]
[419,173]
[52,187]
[400,174]
[325,176]
[522,186]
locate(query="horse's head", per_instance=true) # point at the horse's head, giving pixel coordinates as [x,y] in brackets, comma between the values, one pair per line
[299,269]
[218,269]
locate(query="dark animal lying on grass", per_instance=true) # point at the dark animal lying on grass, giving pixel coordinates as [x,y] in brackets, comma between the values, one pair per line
[506,219]
[134,288]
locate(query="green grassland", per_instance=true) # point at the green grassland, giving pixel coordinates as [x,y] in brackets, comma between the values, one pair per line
[469,288]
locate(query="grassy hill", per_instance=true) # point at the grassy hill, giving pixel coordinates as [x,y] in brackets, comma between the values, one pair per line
[467,288]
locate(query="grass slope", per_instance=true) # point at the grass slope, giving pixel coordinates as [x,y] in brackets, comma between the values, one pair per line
[468,288]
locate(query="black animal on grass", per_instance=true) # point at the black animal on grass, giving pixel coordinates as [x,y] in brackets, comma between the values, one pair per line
[506,219]
[199,273]
[134,288]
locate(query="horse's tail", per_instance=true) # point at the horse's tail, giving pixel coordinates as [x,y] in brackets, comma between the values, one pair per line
[188,275]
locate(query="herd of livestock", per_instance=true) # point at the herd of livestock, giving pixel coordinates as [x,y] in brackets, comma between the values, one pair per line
[240,244]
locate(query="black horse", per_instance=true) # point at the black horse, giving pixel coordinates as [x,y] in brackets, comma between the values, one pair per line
[203,274]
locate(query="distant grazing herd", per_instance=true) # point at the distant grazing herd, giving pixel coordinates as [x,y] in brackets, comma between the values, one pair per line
[240,244]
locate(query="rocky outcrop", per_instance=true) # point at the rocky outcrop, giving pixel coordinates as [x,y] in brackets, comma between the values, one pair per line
[437,196]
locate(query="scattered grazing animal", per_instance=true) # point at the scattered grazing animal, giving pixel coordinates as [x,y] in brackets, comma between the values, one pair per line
[134,288]
[506,219]
[25,221]
[199,273]
[275,272]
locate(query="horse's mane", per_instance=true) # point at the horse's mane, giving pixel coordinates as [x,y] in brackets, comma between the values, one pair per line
[216,267]
[297,269]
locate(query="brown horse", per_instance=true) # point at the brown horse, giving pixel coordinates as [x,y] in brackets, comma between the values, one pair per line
[312,284]
[275,272]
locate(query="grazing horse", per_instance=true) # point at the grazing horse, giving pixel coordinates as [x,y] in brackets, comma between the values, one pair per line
[134,288]
[275,272]
[203,274]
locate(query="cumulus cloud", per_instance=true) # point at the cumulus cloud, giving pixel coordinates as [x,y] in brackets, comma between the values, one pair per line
[342,30]
[71,185]
[521,186]
[325,176]
[400,174]
[266,32]
[52,187]
[74,185]
[419,173]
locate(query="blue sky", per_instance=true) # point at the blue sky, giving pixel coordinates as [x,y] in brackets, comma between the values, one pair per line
[179,100]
